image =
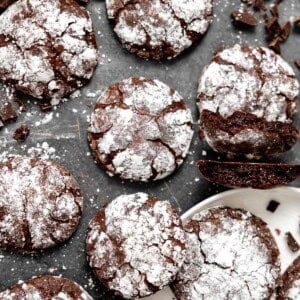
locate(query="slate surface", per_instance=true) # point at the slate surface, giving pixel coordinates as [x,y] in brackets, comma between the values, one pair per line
[64,130]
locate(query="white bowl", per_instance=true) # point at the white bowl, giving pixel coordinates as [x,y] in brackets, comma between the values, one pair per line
[286,218]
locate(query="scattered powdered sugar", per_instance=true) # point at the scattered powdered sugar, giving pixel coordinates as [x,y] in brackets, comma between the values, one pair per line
[40,203]
[136,245]
[140,129]
[229,256]
[44,38]
[249,79]
[160,23]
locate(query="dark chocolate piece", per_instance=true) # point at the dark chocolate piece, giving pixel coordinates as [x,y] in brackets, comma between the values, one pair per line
[21,133]
[297,22]
[291,242]
[244,18]
[245,174]
[297,63]
[273,205]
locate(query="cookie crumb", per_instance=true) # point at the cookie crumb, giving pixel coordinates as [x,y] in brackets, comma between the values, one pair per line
[21,133]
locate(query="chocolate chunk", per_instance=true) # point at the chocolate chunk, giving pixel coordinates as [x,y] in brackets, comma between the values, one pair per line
[8,112]
[273,205]
[244,18]
[274,11]
[21,133]
[273,29]
[291,242]
[285,31]
[245,174]
[5,3]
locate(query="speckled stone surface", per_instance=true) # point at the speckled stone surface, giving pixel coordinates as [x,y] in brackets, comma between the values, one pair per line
[64,132]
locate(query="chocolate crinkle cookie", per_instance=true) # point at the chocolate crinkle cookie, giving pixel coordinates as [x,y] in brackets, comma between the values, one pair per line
[140,130]
[290,282]
[231,254]
[46,287]
[247,102]
[47,47]
[40,204]
[136,245]
[159,29]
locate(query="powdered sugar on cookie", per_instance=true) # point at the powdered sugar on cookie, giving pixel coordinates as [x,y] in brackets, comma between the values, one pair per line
[46,287]
[40,204]
[48,47]
[140,130]
[163,28]
[136,245]
[230,255]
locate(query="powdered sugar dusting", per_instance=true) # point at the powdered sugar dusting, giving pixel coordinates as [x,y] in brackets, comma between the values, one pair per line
[41,204]
[39,288]
[227,258]
[250,79]
[140,129]
[137,246]
[43,38]
[294,291]
[160,23]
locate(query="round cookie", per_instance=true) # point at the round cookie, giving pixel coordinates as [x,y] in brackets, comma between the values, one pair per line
[247,102]
[48,47]
[40,204]
[140,130]
[231,254]
[290,286]
[46,287]
[136,245]
[159,29]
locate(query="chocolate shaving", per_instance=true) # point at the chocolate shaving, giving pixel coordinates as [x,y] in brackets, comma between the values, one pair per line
[259,5]
[245,174]
[244,18]
[21,133]
[45,106]
[291,242]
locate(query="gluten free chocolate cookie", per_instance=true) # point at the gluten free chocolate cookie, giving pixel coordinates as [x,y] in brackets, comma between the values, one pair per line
[47,47]
[231,254]
[140,130]
[40,204]
[247,102]
[159,29]
[136,245]
[46,287]
[290,286]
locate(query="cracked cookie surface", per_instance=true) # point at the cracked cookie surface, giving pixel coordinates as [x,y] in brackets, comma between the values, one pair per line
[247,102]
[140,130]
[136,245]
[40,204]
[231,254]
[46,287]
[159,29]
[290,285]
[47,47]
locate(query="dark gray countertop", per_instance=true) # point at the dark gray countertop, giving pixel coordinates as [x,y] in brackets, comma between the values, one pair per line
[64,130]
